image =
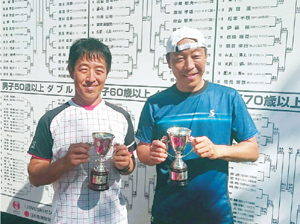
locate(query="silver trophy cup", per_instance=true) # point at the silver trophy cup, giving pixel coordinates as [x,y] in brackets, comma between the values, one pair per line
[99,174]
[178,171]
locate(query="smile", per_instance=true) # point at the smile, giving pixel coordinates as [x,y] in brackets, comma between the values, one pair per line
[190,76]
[90,88]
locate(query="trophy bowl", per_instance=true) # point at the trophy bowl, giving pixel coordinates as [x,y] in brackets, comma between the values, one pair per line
[178,171]
[102,142]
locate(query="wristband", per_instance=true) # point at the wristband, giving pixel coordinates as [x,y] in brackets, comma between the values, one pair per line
[125,169]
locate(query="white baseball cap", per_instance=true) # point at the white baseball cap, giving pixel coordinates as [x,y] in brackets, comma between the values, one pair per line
[182,33]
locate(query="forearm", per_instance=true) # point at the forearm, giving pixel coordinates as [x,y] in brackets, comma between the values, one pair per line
[241,152]
[43,173]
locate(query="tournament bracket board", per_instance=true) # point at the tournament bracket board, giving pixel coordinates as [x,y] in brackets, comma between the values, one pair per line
[251,47]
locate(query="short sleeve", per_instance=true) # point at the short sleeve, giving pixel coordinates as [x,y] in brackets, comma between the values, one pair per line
[129,138]
[243,127]
[146,124]
[41,145]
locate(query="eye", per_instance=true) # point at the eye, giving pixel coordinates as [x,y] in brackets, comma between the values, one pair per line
[179,59]
[100,70]
[197,56]
[83,69]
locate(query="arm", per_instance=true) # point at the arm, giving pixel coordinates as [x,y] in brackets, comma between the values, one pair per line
[124,160]
[152,154]
[243,151]
[43,172]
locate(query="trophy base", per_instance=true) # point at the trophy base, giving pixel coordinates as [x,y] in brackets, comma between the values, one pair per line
[173,183]
[95,187]
[99,181]
[178,177]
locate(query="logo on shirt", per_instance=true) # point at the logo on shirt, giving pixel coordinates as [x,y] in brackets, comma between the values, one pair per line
[212,113]
[33,144]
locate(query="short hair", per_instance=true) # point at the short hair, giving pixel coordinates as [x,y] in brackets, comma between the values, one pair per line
[92,49]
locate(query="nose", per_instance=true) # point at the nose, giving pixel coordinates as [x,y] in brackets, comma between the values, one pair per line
[189,64]
[91,76]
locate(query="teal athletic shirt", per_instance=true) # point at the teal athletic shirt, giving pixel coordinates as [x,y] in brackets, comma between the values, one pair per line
[215,111]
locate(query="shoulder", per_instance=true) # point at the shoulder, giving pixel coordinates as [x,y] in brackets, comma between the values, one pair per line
[220,91]
[165,94]
[51,114]
[116,109]
[221,88]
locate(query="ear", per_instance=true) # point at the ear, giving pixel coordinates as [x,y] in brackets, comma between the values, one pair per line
[71,72]
[205,52]
[168,60]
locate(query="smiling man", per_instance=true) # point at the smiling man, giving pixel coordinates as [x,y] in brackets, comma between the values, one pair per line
[216,115]
[60,149]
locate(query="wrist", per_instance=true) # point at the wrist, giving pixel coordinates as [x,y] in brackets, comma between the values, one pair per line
[125,169]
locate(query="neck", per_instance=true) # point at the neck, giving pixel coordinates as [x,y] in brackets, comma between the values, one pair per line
[191,90]
[87,104]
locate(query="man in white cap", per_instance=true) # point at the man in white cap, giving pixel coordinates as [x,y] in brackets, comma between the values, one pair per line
[216,115]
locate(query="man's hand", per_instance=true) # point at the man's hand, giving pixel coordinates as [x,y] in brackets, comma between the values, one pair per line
[121,156]
[42,172]
[78,153]
[204,147]
[241,152]
[158,151]
[154,153]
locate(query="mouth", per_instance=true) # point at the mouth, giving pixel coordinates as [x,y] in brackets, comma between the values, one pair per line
[90,88]
[190,76]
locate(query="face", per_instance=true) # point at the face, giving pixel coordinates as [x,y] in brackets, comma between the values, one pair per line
[89,79]
[188,67]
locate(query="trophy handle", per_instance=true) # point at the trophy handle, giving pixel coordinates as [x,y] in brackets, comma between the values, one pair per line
[182,156]
[190,150]
[167,141]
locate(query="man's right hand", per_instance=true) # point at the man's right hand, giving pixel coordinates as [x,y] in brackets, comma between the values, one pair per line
[42,172]
[158,151]
[154,153]
[78,153]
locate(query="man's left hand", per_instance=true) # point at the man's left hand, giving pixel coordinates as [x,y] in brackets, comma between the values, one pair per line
[204,147]
[121,156]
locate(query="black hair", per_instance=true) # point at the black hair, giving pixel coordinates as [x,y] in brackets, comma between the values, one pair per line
[92,49]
